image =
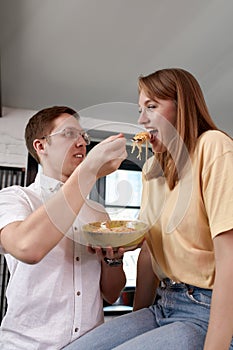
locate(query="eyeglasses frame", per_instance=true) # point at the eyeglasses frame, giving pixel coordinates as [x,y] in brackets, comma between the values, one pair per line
[81,133]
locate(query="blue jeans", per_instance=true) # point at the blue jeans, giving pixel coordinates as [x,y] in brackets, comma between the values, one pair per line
[178,320]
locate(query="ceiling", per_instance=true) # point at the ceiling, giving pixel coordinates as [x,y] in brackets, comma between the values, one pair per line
[88,54]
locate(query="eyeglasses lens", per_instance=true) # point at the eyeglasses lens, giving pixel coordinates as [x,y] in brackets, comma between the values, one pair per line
[75,134]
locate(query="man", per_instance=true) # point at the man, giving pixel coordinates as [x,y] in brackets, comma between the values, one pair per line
[56,286]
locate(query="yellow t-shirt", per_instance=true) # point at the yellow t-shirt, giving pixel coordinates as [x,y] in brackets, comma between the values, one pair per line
[184,221]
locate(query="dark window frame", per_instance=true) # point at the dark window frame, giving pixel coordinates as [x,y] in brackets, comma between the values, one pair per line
[9,176]
[98,192]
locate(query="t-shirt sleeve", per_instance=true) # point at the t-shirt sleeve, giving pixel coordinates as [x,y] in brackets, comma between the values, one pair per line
[218,193]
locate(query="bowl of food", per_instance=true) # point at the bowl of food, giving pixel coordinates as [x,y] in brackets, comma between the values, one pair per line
[116,233]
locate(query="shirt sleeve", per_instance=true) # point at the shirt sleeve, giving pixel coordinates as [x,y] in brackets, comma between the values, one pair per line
[14,205]
[218,193]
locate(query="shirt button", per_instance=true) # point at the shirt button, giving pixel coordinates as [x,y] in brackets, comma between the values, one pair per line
[77,258]
[75,228]
[78,292]
[76,329]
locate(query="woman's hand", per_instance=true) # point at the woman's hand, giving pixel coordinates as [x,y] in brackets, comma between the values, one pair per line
[221,312]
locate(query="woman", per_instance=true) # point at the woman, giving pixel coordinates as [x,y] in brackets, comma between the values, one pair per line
[184,294]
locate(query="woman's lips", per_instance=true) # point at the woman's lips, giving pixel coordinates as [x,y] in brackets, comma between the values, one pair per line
[153,135]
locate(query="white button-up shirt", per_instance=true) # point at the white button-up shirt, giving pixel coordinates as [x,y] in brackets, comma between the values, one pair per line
[58,299]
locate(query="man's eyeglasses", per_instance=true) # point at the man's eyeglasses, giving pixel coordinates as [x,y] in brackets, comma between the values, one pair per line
[73,134]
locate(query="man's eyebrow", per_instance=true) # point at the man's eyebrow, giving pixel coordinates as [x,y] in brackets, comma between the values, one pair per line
[76,116]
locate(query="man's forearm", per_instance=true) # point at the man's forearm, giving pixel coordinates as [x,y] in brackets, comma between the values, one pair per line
[113,280]
[30,240]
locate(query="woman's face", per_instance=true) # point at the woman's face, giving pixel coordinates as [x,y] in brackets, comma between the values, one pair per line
[159,117]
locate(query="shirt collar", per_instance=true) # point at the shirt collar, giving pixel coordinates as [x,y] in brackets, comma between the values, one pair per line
[47,183]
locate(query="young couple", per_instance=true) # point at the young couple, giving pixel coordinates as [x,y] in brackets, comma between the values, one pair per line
[184,296]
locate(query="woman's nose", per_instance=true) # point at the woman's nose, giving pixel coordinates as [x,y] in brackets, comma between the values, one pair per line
[143,118]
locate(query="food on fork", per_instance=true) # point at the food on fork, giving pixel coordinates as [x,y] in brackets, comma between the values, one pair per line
[138,140]
[142,136]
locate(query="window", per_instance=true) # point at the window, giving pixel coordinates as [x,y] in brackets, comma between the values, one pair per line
[122,202]
[120,194]
[123,194]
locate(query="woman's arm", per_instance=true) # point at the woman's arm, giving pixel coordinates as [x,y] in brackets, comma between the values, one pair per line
[220,330]
[147,281]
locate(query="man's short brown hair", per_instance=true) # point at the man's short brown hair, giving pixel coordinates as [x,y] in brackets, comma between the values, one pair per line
[42,123]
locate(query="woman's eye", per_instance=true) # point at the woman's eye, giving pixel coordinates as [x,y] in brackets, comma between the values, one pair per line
[148,108]
[151,107]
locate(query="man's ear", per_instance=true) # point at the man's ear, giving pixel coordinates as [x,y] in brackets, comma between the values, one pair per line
[40,147]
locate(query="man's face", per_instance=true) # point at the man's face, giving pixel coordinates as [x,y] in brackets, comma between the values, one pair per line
[64,149]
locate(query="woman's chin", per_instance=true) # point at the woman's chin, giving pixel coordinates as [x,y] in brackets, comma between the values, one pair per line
[158,147]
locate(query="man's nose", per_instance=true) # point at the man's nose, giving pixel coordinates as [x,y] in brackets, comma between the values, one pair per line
[80,142]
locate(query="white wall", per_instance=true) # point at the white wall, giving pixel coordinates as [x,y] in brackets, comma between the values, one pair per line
[13,151]
[82,53]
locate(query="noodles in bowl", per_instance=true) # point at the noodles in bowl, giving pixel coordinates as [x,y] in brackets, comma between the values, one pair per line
[118,233]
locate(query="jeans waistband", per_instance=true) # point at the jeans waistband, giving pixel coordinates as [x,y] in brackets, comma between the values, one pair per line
[169,283]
